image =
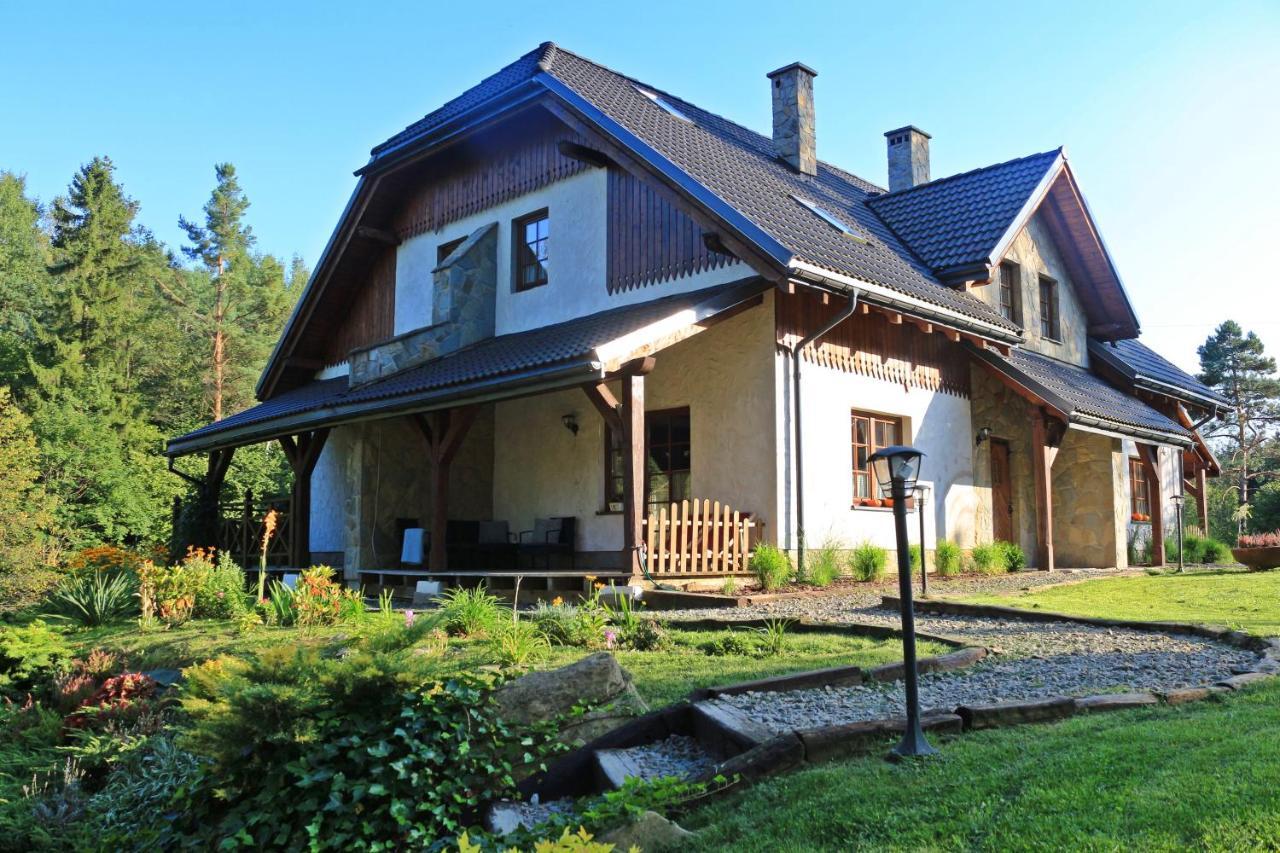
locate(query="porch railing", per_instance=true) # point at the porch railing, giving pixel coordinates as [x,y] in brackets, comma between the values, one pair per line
[240,528]
[700,537]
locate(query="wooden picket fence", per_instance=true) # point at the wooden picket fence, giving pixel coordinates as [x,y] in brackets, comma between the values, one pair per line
[700,537]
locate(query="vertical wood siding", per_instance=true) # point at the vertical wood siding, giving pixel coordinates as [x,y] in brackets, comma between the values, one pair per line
[650,240]
[867,344]
[506,172]
[370,313]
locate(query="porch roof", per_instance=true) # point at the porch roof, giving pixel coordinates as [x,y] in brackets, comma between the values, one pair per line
[1146,368]
[1086,399]
[565,354]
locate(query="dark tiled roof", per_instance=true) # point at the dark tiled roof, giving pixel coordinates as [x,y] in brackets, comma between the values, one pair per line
[957,221]
[1144,366]
[1086,394]
[739,168]
[545,347]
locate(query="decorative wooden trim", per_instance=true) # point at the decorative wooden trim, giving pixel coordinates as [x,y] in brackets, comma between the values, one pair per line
[866,344]
[650,239]
[370,312]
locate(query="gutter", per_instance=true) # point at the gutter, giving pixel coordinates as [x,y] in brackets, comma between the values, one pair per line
[796,417]
[884,297]
[482,391]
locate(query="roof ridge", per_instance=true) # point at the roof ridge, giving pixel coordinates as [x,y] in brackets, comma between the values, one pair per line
[903,192]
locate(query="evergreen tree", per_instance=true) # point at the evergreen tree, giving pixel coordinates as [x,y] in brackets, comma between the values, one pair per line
[1236,365]
[24,278]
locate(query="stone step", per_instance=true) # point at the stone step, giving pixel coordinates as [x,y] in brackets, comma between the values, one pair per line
[724,730]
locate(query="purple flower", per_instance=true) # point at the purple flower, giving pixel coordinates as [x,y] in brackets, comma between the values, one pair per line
[408,618]
[610,639]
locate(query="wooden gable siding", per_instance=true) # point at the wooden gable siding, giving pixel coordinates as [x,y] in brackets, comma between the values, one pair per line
[650,239]
[489,177]
[370,313]
[869,345]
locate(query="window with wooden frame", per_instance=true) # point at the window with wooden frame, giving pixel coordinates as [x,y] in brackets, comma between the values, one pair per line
[1139,489]
[1050,324]
[668,462]
[529,236]
[1011,292]
[870,433]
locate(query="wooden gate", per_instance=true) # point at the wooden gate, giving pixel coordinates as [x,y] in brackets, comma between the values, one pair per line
[699,537]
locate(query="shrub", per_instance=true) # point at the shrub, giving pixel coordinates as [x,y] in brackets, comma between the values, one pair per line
[771,566]
[647,635]
[120,699]
[29,656]
[320,600]
[94,598]
[1215,552]
[363,752]
[947,557]
[168,592]
[1270,539]
[1011,555]
[773,635]
[987,559]
[469,612]
[220,592]
[824,564]
[103,558]
[517,644]
[913,554]
[281,607]
[128,813]
[868,562]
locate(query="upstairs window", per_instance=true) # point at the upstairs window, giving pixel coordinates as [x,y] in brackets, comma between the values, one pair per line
[1050,322]
[1011,292]
[1139,494]
[871,433]
[529,237]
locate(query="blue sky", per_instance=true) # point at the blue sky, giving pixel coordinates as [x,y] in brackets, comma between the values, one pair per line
[1170,111]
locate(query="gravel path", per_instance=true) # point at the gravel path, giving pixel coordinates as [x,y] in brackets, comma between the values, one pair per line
[676,756]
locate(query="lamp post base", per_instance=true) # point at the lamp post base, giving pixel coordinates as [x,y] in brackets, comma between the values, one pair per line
[912,745]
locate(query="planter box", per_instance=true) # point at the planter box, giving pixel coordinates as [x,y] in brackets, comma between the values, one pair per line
[1258,559]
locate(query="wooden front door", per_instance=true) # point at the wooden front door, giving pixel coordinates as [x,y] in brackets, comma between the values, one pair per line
[1001,491]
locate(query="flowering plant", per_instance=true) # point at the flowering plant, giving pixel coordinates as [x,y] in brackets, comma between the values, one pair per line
[1270,539]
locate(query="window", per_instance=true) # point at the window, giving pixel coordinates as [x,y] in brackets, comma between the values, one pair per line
[871,433]
[529,237]
[1049,322]
[444,250]
[1010,292]
[1139,494]
[667,460]
[664,103]
[829,218]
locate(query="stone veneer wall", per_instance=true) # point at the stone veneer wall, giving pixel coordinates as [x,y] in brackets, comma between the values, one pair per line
[1087,531]
[462,311]
[993,405]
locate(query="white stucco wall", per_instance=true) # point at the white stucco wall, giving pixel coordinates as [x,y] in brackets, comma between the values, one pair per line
[1170,468]
[936,423]
[577,249]
[724,375]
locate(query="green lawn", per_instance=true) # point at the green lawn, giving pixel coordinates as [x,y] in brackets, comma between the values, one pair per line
[661,677]
[1200,776]
[1249,601]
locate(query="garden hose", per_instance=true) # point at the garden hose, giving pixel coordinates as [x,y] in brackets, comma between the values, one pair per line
[644,569]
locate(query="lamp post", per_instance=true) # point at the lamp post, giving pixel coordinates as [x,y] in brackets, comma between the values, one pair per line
[922,498]
[896,469]
[1177,506]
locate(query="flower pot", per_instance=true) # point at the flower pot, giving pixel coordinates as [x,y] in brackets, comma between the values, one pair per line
[1258,559]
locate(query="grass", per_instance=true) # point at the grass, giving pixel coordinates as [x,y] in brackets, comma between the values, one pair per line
[1200,776]
[1249,601]
[661,677]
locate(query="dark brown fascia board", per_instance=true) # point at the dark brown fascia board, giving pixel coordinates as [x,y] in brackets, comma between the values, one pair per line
[504,387]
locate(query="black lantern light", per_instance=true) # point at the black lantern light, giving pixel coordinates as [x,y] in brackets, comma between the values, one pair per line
[922,498]
[1178,500]
[896,469]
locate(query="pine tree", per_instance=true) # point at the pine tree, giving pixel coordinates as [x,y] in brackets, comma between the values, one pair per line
[24,278]
[241,303]
[1236,365]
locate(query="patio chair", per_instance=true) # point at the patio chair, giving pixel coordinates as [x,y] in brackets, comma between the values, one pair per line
[495,548]
[549,537]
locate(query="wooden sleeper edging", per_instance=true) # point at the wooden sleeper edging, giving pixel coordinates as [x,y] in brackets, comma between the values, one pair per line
[1016,713]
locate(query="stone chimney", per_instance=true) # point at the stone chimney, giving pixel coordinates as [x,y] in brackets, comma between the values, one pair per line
[794,139]
[908,158]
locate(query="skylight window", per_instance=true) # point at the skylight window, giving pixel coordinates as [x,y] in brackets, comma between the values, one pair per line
[830,218]
[664,103]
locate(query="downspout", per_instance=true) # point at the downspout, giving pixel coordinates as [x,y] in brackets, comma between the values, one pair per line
[796,419]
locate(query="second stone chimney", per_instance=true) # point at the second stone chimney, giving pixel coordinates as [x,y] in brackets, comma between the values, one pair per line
[794,139]
[908,158]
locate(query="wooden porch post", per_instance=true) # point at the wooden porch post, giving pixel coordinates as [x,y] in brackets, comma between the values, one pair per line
[215,476]
[1150,456]
[1202,497]
[444,432]
[1045,438]
[633,470]
[302,452]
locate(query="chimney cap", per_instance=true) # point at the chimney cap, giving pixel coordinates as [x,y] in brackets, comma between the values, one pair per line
[784,69]
[910,127]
